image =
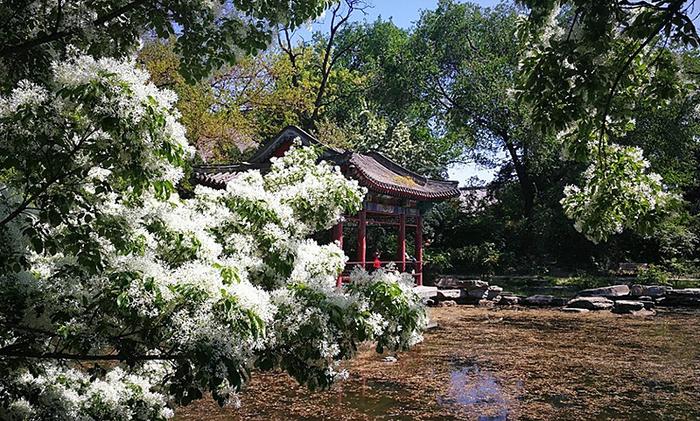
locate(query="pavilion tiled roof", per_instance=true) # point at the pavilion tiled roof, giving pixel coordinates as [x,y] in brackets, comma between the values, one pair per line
[372,170]
[217,176]
[379,173]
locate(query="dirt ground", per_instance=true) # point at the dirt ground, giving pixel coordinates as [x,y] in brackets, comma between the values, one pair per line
[504,364]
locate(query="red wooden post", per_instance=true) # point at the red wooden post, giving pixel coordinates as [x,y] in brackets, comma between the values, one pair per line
[402,241]
[419,250]
[362,239]
[338,237]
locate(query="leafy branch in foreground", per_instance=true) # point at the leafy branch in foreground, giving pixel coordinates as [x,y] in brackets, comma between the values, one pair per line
[589,67]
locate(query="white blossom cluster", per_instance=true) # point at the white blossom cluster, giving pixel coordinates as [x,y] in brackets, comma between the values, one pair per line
[108,261]
[621,193]
[72,394]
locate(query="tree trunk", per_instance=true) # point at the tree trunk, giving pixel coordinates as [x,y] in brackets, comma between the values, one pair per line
[526,185]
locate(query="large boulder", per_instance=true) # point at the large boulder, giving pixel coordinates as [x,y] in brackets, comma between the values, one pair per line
[653,291]
[687,297]
[590,303]
[627,306]
[610,291]
[544,301]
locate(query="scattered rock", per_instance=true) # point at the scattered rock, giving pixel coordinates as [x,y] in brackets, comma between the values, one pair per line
[486,303]
[653,291]
[590,303]
[656,291]
[451,282]
[477,293]
[508,300]
[493,291]
[687,297]
[449,294]
[627,306]
[425,292]
[648,302]
[575,310]
[643,313]
[610,291]
[637,290]
[544,301]
[447,303]
[389,359]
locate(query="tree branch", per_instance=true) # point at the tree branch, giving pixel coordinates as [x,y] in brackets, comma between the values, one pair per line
[623,70]
[57,35]
[90,357]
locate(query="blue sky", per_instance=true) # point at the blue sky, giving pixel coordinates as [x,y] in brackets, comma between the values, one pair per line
[404,13]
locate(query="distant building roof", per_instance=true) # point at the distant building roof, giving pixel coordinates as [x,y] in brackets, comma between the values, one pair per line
[372,170]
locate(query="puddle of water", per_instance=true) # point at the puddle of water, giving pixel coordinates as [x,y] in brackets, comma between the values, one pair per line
[476,391]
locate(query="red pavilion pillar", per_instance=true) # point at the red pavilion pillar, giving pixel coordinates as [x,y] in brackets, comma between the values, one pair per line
[419,250]
[362,239]
[338,238]
[402,241]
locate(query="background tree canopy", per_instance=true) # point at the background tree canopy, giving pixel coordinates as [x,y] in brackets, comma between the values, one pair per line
[487,85]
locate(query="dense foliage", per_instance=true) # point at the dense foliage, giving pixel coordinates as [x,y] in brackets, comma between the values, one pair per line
[519,90]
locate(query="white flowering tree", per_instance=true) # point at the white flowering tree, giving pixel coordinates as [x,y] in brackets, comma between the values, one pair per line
[120,300]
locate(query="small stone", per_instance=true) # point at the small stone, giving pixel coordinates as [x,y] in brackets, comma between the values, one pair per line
[389,359]
[627,306]
[486,303]
[575,310]
[643,313]
[508,300]
[447,303]
[590,303]
[493,291]
[610,291]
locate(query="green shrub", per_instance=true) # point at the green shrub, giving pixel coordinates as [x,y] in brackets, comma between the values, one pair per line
[653,275]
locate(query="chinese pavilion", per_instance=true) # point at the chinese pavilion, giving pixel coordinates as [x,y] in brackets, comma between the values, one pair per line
[396,196]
